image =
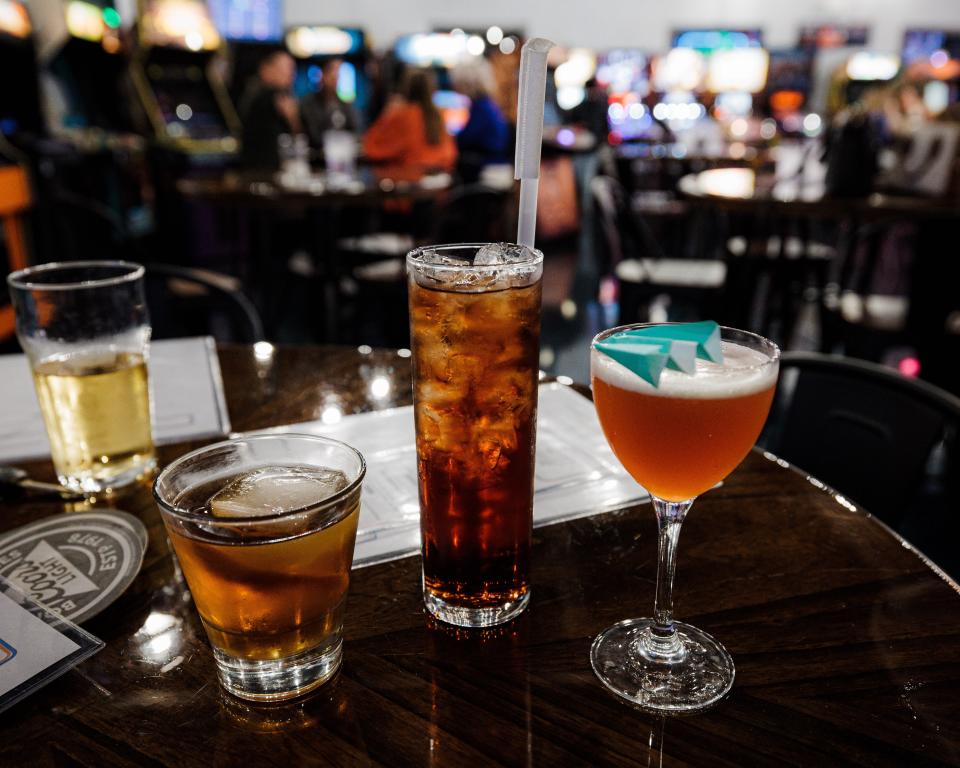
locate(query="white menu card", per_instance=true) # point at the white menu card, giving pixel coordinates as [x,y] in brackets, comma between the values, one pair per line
[576,472]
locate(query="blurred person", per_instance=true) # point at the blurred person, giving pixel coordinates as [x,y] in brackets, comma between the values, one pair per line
[324,110]
[268,109]
[506,75]
[485,139]
[591,113]
[410,132]
[852,145]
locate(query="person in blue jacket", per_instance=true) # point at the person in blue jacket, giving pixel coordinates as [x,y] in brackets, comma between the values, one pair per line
[485,139]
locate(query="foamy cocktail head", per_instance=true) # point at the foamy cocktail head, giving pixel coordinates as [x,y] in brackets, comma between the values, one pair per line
[744,371]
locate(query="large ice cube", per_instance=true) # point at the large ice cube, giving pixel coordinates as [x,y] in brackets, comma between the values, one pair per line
[499,253]
[272,490]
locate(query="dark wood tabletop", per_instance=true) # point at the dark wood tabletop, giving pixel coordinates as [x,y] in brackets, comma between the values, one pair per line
[846,642]
[370,186]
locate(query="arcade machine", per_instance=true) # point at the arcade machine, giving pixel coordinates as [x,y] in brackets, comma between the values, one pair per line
[788,87]
[20,115]
[183,98]
[931,60]
[99,184]
[677,78]
[824,36]
[251,29]
[312,46]
[867,69]
[736,68]
[188,114]
[79,41]
[787,98]
[734,75]
[574,68]
[624,74]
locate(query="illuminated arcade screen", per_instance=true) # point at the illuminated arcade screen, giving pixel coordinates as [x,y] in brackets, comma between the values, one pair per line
[928,43]
[789,80]
[313,45]
[433,49]
[731,60]
[454,108]
[259,21]
[314,42]
[623,73]
[14,19]
[347,85]
[708,41]
[832,36]
[179,24]
[624,70]
[934,55]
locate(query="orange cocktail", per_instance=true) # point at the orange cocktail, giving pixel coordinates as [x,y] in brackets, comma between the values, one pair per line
[680,405]
[684,436]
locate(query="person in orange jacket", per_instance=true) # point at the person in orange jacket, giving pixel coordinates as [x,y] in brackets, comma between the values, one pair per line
[410,132]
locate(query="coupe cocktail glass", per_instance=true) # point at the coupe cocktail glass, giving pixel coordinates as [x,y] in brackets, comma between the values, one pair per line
[678,440]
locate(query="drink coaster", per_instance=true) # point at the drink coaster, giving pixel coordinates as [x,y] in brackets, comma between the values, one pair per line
[75,564]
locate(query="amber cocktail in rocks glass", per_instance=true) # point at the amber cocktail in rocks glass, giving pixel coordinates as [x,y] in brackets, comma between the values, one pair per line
[264,529]
[677,439]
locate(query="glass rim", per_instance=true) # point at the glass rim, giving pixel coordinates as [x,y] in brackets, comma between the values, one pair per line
[329,501]
[21,278]
[774,358]
[414,258]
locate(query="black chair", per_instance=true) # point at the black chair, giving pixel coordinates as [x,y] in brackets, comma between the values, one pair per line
[475,213]
[375,292]
[197,302]
[625,247]
[866,305]
[884,441]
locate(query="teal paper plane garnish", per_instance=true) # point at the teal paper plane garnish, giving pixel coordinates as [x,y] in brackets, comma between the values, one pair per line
[681,355]
[706,334]
[647,351]
[645,360]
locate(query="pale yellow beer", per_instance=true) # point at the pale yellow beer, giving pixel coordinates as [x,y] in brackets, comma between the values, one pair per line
[96,407]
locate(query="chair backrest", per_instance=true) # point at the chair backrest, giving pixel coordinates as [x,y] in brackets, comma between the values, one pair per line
[620,233]
[184,301]
[863,429]
[474,213]
[607,196]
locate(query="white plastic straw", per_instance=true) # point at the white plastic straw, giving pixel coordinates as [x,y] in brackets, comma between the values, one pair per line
[530,98]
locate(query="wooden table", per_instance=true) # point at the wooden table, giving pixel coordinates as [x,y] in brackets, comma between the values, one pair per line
[765,195]
[847,643]
[372,186]
[314,211]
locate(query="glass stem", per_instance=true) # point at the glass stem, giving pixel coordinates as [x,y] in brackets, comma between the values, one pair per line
[663,642]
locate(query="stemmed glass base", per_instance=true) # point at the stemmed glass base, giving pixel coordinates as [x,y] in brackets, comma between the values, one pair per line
[684,672]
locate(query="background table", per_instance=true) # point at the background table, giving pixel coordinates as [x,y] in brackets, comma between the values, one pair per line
[744,191]
[847,644]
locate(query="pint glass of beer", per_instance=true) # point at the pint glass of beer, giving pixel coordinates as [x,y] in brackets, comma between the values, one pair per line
[475,328]
[85,330]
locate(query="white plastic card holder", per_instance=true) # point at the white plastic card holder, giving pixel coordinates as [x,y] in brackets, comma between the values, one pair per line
[36,645]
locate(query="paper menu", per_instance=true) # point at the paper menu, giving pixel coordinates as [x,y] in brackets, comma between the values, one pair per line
[576,472]
[187,391]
